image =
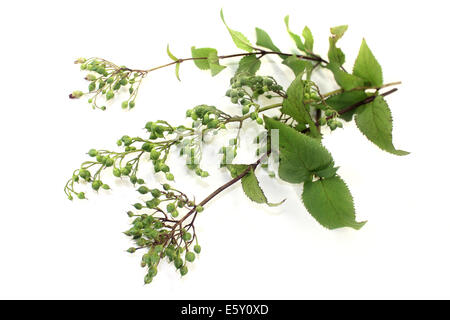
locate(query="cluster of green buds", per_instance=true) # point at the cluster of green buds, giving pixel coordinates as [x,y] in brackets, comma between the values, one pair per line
[160,234]
[245,89]
[205,115]
[106,80]
[331,119]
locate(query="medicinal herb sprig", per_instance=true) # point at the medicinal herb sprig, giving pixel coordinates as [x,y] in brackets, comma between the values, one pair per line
[163,217]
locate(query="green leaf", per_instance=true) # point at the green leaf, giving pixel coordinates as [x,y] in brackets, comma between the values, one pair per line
[335,54]
[293,105]
[249,64]
[264,40]
[309,40]
[328,172]
[298,41]
[297,65]
[300,155]
[330,202]
[346,99]
[250,184]
[204,53]
[214,64]
[374,120]
[367,67]
[177,71]
[239,39]
[171,55]
[345,80]
[338,31]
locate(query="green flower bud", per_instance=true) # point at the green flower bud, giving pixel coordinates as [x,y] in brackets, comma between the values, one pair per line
[183,270]
[76,95]
[204,174]
[174,213]
[259,121]
[147,147]
[109,95]
[190,256]
[132,104]
[154,155]
[329,113]
[197,248]
[96,185]
[178,263]
[125,171]
[213,124]
[92,153]
[245,109]
[166,186]
[254,115]
[200,209]
[169,176]
[143,190]
[187,236]
[156,193]
[80,60]
[116,172]
[109,162]
[105,187]
[188,113]
[131,250]
[91,86]
[85,174]
[171,207]
[81,195]
[124,104]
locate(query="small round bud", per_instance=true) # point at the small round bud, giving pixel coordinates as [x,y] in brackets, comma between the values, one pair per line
[259,121]
[187,236]
[131,250]
[143,190]
[169,176]
[132,104]
[138,206]
[109,162]
[154,155]
[105,187]
[200,209]
[96,185]
[166,186]
[116,172]
[190,256]
[197,248]
[156,193]
[245,109]
[124,104]
[109,95]
[178,263]
[92,153]
[147,147]
[81,195]
[183,270]
[76,95]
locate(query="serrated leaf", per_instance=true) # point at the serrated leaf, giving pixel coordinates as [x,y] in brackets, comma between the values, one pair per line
[327,172]
[309,39]
[204,53]
[177,71]
[298,41]
[263,40]
[345,80]
[330,202]
[171,55]
[239,39]
[367,67]
[214,64]
[293,105]
[374,120]
[346,99]
[297,65]
[300,155]
[250,184]
[249,64]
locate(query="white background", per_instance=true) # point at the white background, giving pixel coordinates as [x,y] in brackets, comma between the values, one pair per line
[53,248]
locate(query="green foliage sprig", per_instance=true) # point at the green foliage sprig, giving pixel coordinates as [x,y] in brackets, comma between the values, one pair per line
[164,217]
